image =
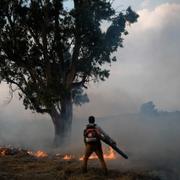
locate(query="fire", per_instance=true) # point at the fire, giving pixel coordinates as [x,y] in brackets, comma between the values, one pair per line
[68,157]
[2,152]
[109,155]
[38,154]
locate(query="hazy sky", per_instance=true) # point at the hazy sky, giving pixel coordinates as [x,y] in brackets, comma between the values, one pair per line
[147,67]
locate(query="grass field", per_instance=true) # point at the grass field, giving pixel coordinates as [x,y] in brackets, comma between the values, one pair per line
[26,167]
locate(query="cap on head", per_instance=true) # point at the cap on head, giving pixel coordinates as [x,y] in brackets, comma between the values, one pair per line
[91,119]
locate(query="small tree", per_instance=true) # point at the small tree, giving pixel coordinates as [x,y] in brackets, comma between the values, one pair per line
[51,53]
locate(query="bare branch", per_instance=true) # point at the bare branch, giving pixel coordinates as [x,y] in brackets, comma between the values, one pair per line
[11,93]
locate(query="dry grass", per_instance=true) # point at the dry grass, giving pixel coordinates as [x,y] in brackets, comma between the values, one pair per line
[24,167]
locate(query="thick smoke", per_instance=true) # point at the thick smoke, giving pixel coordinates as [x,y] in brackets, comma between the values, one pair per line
[150,140]
[22,128]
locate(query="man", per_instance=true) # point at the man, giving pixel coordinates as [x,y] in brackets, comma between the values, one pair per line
[92,140]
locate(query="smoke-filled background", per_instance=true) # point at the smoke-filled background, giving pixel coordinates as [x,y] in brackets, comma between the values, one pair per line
[147,70]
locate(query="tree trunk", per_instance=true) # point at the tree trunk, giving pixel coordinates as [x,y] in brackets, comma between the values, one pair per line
[62,122]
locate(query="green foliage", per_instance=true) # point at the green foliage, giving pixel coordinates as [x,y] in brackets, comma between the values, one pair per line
[48,52]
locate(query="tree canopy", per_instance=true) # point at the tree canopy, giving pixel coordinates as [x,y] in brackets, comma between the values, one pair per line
[48,51]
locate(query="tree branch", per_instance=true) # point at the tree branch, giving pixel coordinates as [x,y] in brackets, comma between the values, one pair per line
[35,38]
[38,109]
[80,83]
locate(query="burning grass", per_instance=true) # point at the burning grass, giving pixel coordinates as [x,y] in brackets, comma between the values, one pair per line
[27,165]
[109,154]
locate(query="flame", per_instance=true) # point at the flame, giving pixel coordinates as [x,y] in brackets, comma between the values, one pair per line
[109,155]
[68,157]
[38,154]
[2,152]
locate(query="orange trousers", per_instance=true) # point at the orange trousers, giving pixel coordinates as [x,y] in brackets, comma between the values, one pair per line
[97,148]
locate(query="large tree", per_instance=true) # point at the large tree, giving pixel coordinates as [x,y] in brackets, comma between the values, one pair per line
[50,53]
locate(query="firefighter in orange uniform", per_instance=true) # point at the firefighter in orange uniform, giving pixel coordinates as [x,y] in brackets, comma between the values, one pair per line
[93,144]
